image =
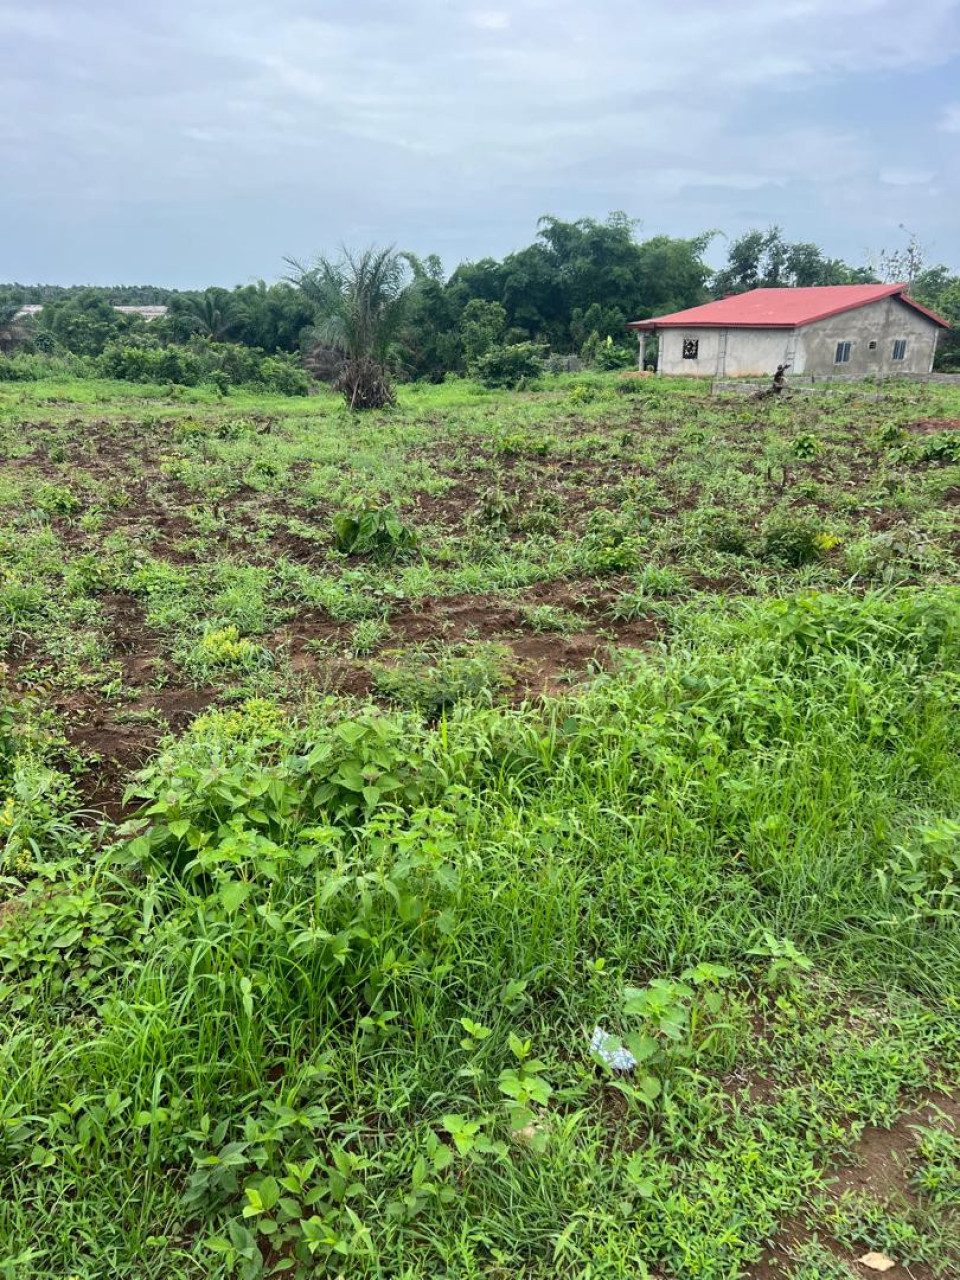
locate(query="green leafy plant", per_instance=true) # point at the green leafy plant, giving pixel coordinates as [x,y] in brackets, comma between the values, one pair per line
[527,1092]
[793,541]
[374,531]
[926,872]
[936,1166]
[225,647]
[496,509]
[677,1022]
[433,679]
[785,962]
[805,445]
[944,446]
[510,366]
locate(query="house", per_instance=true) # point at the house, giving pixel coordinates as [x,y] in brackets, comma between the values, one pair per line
[146,313]
[854,330]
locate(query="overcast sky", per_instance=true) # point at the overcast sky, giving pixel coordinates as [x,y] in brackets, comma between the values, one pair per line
[191,142]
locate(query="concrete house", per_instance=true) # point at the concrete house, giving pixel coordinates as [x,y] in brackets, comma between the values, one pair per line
[853,330]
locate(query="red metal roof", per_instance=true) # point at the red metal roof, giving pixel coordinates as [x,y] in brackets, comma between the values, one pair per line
[782,308]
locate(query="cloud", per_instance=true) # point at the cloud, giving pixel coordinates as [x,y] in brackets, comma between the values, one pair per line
[264,129]
[906,177]
[489,20]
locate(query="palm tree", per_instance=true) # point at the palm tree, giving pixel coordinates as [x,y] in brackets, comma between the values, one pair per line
[361,303]
[213,314]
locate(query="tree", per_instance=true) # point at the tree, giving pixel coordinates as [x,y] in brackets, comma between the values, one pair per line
[765,260]
[937,289]
[361,302]
[430,342]
[482,326]
[215,314]
[903,265]
[273,317]
[672,274]
[85,322]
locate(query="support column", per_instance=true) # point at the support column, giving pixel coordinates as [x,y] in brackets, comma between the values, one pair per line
[642,338]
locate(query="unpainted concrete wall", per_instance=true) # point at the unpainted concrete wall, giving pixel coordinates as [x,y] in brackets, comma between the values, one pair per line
[749,351]
[881,322]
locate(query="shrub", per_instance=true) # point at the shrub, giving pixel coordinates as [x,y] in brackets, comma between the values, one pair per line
[223,364]
[723,530]
[805,445]
[29,367]
[434,679]
[793,541]
[511,366]
[223,648]
[583,393]
[373,531]
[496,509]
[889,556]
[610,545]
[151,364]
[942,447]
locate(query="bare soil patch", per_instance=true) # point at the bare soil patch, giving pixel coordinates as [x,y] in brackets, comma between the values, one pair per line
[879,1167]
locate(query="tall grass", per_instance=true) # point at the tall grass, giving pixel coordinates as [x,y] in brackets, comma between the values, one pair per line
[288,1019]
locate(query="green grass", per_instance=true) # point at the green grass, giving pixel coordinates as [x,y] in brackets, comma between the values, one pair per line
[320,999]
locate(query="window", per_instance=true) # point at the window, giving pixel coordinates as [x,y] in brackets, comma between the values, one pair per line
[899,348]
[843,353]
[873,346]
[691,347]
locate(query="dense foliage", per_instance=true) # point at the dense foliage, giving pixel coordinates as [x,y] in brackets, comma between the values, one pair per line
[572,289]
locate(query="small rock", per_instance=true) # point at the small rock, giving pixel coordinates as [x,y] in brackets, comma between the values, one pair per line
[876,1261]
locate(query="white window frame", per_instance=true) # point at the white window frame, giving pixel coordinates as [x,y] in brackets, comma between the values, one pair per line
[842,353]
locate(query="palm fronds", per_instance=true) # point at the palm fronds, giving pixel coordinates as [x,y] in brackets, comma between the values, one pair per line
[361,305]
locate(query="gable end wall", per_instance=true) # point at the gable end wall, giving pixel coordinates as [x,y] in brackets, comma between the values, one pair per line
[882,322]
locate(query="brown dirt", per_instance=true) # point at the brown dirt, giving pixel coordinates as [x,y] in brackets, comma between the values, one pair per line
[99,730]
[933,426]
[878,1167]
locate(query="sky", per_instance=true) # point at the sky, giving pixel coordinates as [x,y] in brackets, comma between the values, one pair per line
[200,142]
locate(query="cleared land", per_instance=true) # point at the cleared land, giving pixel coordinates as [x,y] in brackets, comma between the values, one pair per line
[330,837]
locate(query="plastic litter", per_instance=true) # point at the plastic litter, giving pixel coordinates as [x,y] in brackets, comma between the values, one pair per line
[609,1049]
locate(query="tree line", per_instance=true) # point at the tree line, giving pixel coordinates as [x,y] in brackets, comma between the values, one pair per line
[571,291]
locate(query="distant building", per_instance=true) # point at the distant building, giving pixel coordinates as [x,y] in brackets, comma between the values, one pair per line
[855,330]
[147,313]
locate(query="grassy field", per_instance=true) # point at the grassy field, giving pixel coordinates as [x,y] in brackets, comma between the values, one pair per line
[353,770]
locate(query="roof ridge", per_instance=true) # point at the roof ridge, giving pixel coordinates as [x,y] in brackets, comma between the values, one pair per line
[793,306]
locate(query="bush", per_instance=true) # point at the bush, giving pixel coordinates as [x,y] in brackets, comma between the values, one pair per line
[434,679]
[223,364]
[151,364]
[28,367]
[723,530]
[942,447]
[805,445]
[373,531]
[511,366]
[793,541]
